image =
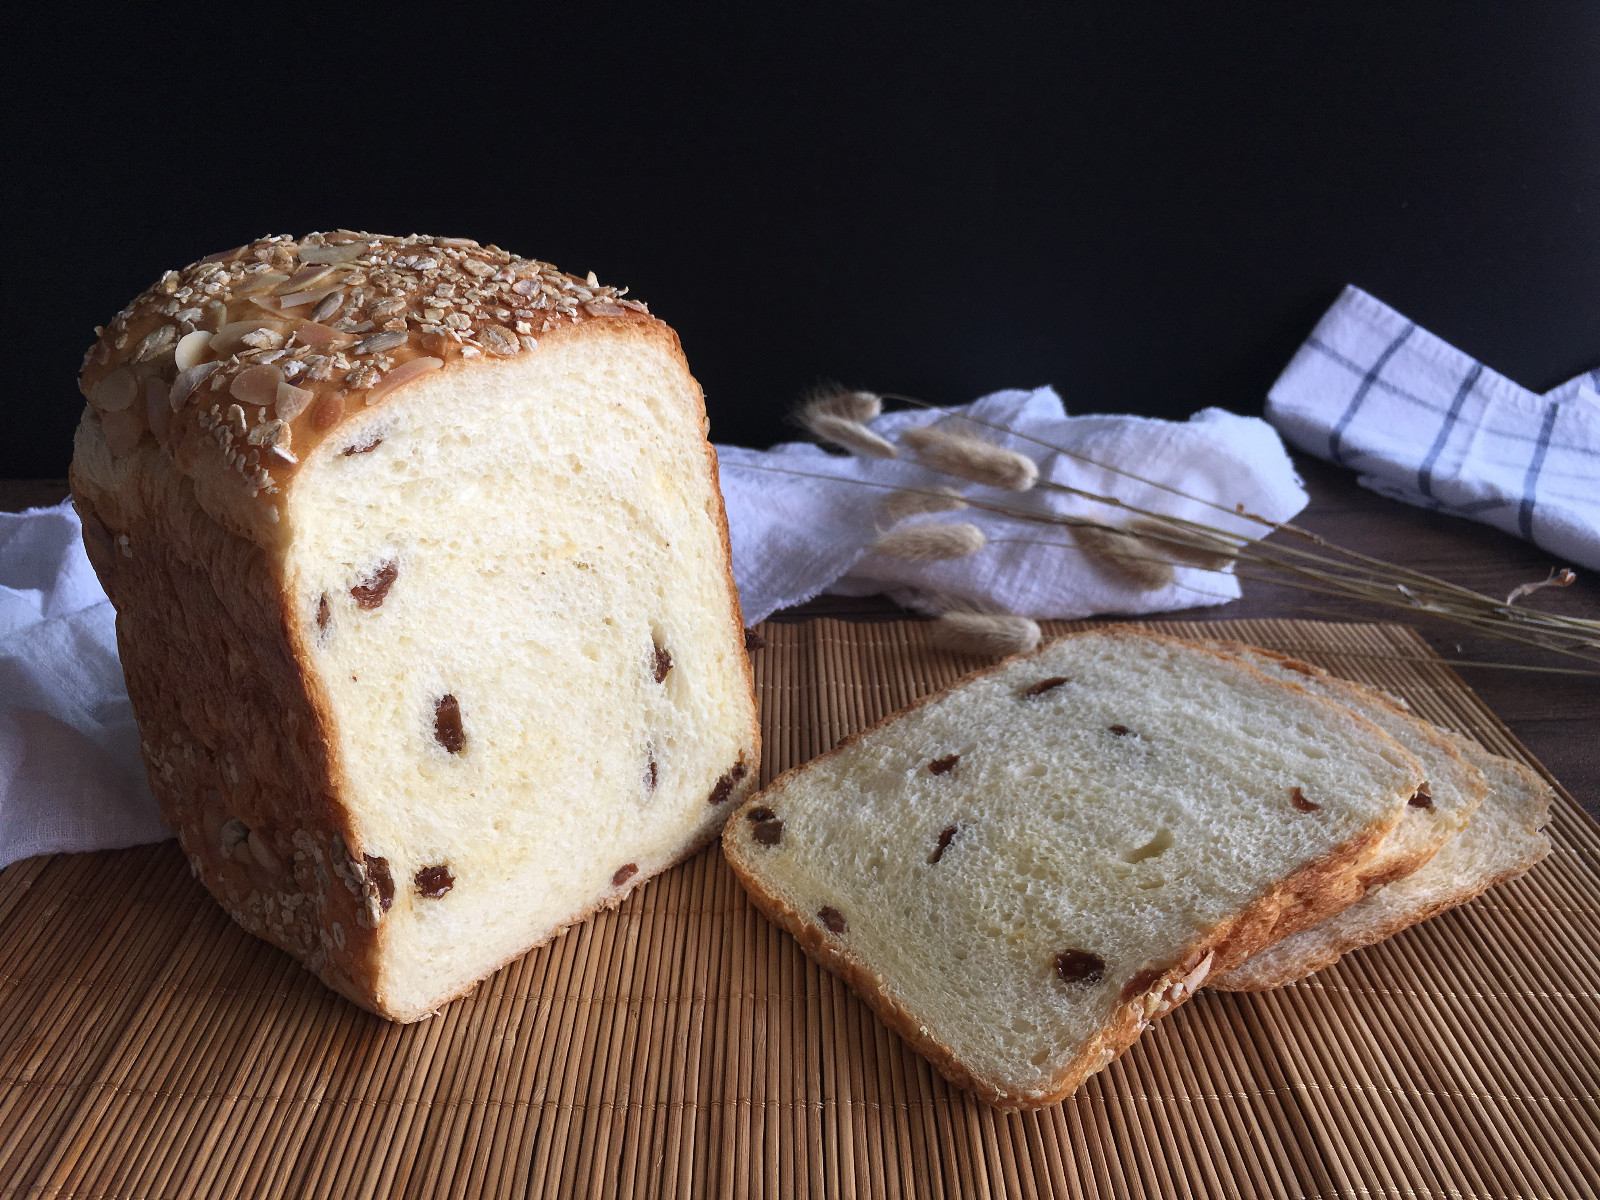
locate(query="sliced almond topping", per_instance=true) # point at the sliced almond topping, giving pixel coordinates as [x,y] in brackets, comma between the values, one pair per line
[257,386]
[188,379]
[265,282]
[301,280]
[191,349]
[348,252]
[115,392]
[122,430]
[292,401]
[404,373]
[296,299]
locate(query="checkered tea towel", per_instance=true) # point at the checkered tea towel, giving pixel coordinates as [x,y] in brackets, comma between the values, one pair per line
[1424,423]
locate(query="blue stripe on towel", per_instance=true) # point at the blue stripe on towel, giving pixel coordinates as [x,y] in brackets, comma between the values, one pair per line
[1425,472]
[1530,485]
[1336,438]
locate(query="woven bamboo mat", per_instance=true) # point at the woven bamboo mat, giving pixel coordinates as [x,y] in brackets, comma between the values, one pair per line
[682,1046]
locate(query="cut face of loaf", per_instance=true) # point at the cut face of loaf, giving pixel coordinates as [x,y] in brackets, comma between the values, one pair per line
[1020,872]
[469,669]
[1501,841]
[1439,810]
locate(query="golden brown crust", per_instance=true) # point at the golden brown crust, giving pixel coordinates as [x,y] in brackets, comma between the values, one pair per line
[242,362]
[1311,895]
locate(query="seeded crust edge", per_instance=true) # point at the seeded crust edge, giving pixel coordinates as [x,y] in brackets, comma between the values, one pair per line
[1270,975]
[1315,892]
[1387,866]
[142,504]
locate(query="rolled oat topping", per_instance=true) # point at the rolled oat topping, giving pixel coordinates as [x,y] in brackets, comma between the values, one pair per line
[300,332]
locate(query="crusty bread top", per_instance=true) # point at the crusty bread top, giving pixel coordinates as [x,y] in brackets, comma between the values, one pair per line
[240,363]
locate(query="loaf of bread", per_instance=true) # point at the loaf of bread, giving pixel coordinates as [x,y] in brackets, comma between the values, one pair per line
[423,597]
[1441,807]
[1020,872]
[1501,841]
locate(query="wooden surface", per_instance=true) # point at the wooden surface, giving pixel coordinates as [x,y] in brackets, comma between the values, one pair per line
[683,1046]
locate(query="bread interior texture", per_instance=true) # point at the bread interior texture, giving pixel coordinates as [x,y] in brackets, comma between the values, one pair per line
[507,586]
[1114,800]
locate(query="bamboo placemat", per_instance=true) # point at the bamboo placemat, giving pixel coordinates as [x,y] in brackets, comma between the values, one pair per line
[683,1046]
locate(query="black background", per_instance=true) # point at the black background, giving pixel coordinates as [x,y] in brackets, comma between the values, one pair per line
[1145,205]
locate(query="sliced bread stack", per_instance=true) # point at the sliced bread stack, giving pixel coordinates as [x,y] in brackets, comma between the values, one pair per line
[1021,872]
[1477,824]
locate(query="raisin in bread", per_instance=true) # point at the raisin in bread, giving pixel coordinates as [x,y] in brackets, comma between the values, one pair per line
[1501,841]
[423,597]
[1020,872]
[1441,807]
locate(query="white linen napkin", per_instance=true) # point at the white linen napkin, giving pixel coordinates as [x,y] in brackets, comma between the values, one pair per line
[71,776]
[801,519]
[1424,423]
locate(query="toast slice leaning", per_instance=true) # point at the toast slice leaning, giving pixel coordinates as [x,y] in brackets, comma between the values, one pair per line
[1439,810]
[1020,872]
[1502,840]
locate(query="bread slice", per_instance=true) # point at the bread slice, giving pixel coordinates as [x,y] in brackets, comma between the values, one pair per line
[1019,872]
[1502,840]
[423,597]
[1439,810]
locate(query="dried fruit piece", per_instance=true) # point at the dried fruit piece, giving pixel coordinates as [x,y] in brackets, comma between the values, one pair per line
[370,592]
[1045,685]
[624,873]
[753,640]
[366,447]
[447,730]
[651,774]
[434,882]
[760,813]
[943,766]
[946,836]
[768,833]
[832,918]
[1080,966]
[1421,799]
[378,873]
[663,663]
[323,613]
[725,785]
[1301,804]
[1118,730]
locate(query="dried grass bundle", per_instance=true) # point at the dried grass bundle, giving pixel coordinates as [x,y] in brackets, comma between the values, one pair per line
[1132,537]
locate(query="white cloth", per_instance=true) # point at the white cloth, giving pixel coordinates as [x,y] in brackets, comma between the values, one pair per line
[795,537]
[71,777]
[1424,423]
